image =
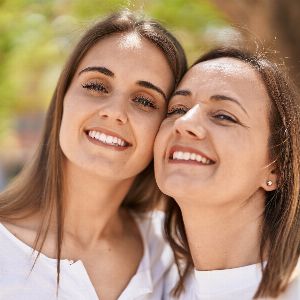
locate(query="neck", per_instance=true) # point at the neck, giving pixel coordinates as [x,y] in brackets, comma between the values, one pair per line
[92,205]
[224,237]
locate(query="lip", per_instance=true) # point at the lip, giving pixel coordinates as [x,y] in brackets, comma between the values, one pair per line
[107,132]
[191,150]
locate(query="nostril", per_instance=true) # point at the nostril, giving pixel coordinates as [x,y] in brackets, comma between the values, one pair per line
[191,133]
[103,115]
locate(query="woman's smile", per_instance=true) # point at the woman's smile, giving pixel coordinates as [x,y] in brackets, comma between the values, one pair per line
[112,110]
[107,138]
[213,134]
[188,155]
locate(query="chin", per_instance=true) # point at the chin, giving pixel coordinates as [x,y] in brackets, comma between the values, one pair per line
[173,189]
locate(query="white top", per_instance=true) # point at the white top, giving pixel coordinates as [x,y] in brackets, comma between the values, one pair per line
[230,284]
[18,283]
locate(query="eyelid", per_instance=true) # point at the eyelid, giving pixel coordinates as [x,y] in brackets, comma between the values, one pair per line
[154,97]
[174,110]
[151,95]
[94,78]
[231,118]
[179,105]
[95,86]
[151,103]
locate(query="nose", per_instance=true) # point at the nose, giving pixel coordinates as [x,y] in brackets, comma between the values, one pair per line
[114,109]
[191,124]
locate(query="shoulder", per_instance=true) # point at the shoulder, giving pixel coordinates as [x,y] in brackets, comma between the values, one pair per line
[21,235]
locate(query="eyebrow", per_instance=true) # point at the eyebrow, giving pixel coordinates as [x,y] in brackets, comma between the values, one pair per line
[149,85]
[109,73]
[226,98]
[182,93]
[101,70]
[214,97]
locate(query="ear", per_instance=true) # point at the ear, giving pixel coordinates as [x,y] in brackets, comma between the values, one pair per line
[270,181]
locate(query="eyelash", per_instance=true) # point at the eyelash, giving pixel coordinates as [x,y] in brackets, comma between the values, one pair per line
[181,110]
[95,86]
[139,100]
[144,101]
[224,117]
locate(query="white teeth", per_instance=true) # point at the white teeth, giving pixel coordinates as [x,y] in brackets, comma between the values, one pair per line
[107,139]
[179,155]
[92,134]
[102,137]
[186,156]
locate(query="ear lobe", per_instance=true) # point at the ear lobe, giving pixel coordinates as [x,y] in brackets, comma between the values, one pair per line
[270,182]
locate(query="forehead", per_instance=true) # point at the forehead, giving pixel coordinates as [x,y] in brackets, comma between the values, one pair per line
[123,49]
[130,57]
[229,77]
[221,71]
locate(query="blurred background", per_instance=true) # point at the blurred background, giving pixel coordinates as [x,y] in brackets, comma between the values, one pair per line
[37,35]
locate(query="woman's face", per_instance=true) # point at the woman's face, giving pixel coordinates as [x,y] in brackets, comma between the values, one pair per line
[213,145]
[115,105]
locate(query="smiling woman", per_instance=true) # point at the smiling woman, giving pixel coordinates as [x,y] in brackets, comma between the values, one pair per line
[228,155]
[71,223]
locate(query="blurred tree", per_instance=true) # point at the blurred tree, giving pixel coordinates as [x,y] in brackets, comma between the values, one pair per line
[275,23]
[37,35]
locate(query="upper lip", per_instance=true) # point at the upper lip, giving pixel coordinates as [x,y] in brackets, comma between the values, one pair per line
[188,149]
[108,132]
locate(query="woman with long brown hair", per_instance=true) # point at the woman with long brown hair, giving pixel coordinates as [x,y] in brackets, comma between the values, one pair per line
[72,223]
[228,156]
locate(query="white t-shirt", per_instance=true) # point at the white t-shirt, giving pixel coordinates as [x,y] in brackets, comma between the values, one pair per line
[18,283]
[230,284]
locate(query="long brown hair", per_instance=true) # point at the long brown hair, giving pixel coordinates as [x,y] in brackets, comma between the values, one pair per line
[280,238]
[40,186]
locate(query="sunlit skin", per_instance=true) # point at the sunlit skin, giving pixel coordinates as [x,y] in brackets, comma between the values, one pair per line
[120,89]
[221,112]
[122,95]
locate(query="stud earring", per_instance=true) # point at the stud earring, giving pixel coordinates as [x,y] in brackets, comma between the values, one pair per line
[269,182]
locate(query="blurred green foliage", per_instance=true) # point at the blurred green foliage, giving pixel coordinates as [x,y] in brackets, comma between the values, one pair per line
[37,35]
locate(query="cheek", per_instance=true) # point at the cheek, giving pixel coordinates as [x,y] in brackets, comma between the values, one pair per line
[146,128]
[242,153]
[160,140]
[67,132]
[161,143]
[69,119]
[74,115]
[76,109]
